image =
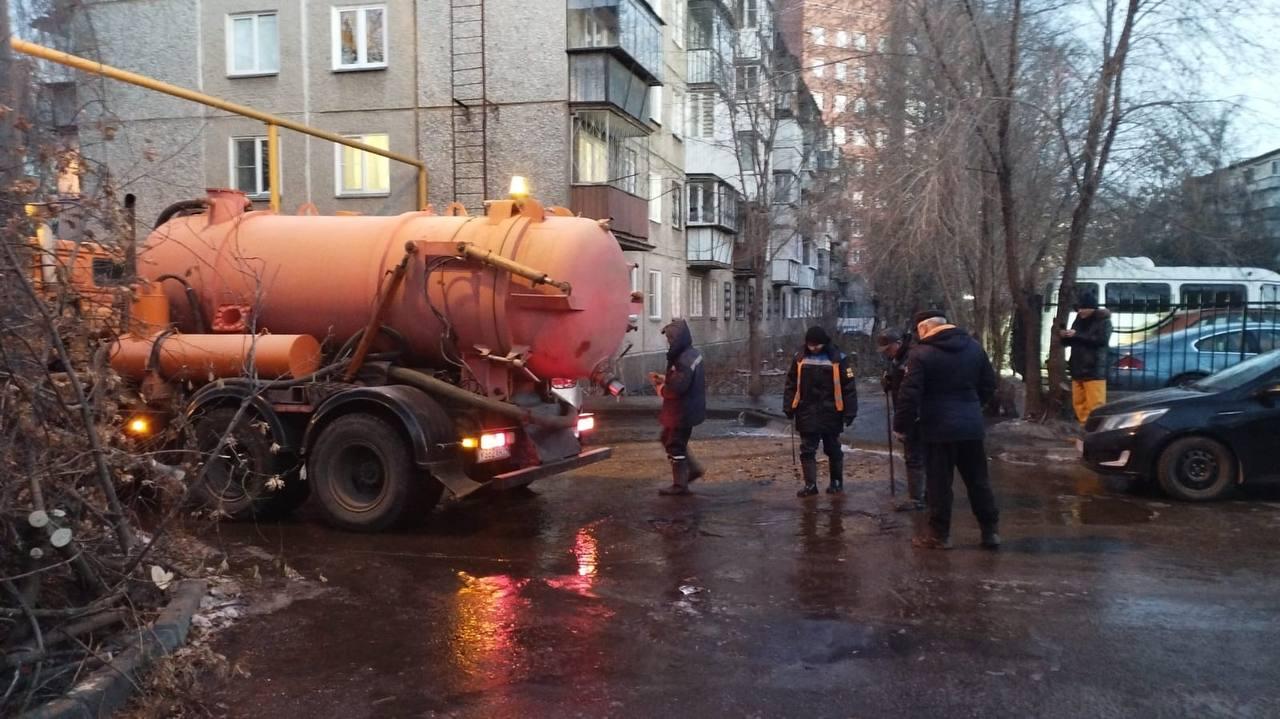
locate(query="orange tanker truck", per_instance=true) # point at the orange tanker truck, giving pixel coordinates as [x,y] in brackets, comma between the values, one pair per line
[372,361]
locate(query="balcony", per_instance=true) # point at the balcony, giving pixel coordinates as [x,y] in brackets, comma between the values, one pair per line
[625,29]
[807,279]
[709,248]
[707,67]
[785,272]
[605,82]
[628,214]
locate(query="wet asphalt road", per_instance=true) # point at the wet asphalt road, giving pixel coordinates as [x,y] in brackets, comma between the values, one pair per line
[593,596]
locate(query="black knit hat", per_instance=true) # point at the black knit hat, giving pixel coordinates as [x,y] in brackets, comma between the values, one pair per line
[816,336]
[1086,301]
[884,339]
[928,315]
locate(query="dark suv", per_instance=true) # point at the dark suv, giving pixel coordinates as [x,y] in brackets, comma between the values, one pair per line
[1197,441]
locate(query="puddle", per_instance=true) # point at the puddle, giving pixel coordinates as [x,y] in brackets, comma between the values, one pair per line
[1086,510]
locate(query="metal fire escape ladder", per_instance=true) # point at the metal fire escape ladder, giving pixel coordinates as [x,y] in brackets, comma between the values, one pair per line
[470,115]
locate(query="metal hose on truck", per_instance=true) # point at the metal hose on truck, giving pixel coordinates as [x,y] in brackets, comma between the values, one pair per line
[434,386]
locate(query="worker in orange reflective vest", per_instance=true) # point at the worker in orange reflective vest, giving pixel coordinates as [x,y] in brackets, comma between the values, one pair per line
[821,396]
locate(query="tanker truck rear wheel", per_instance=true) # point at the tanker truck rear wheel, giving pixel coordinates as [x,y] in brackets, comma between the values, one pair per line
[362,470]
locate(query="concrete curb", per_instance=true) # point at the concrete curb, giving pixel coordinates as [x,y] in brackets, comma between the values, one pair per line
[107,689]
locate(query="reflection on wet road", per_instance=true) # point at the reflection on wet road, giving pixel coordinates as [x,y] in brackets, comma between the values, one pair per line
[592,596]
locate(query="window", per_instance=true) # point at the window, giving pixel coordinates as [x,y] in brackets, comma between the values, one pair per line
[748,13]
[1275,167]
[819,70]
[655,197]
[842,70]
[1226,342]
[362,173]
[253,44]
[840,103]
[359,37]
[677,113]
[592,166]
[677,205]
[859,138]
[628,25]
[748,80]
[841,139]
[1200,296]
[728,300]
[747,150]
[820,100]
[740,301]
[819,35]
[701,114]
[842,39]
[883,44]
[250,165]
[1138,296]
[680,8]
[677,296]
[784,187]
[860,40]
[858,198]
[653,298]
[697,286]
[860,106]
[655,104]
[861,73]
[635,278]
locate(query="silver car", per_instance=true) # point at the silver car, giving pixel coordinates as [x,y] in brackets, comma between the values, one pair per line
[1190,354]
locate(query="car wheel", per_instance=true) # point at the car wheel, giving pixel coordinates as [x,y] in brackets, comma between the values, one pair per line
[1196,469]
[362,470]
[1183,380]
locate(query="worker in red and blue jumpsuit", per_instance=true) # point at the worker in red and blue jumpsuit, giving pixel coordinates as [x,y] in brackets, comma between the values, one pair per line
[821,396]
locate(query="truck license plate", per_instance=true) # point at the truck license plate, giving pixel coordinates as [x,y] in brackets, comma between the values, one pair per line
[492,454]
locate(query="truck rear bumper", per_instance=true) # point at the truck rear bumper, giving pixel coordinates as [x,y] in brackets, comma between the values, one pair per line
[522,477]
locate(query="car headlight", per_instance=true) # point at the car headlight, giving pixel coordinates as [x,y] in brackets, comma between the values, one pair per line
[1131,419]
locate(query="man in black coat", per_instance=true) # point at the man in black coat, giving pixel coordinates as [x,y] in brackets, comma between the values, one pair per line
[949,379]
[895,348]
[821,395]
[1089,339]
[684,404]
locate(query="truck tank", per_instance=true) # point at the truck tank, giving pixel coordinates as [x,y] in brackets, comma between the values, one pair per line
[460,303]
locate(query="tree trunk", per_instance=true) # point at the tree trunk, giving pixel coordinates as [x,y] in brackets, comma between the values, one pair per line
[757,228]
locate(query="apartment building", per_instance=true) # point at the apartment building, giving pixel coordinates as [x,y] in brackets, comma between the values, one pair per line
[613,108]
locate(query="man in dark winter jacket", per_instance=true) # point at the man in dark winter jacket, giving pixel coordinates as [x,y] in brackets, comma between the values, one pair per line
[684,404]
[1089,338]
[949,379]
[894,348]
[821,395]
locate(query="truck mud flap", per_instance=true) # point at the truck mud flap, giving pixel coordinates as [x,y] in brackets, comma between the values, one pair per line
[450,474]
[521,477]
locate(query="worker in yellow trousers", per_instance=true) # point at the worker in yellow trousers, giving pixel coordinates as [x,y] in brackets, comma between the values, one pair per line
[1089,339]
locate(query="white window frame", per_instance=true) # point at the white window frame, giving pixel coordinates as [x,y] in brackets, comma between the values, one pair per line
[338,191]
[655,197]
[839,104]
[697,297]
[820,70]
[258,69]
[677,114]
[259,146]
[362,38]
[679,9]
[635,278]
[653,295]
[820,100]
[842,70]
[842,38]
[860,41]
[700,107]
[655,104]
[677,298]
[840,138]
[819,35]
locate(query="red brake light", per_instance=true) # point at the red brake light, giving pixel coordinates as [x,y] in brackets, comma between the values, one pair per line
[562,383]
[1130,362]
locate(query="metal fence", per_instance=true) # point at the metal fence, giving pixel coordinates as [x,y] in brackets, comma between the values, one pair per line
[1167,345]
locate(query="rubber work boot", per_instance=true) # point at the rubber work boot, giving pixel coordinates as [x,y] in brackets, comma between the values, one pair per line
[837,477]
[810,469]
[990,538]
[679,479]
[929,541]
[696,470]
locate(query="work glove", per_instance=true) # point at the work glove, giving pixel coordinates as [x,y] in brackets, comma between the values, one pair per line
[789,413]
[848,419]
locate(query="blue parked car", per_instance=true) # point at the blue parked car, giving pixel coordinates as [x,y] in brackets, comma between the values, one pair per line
[1180,358]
